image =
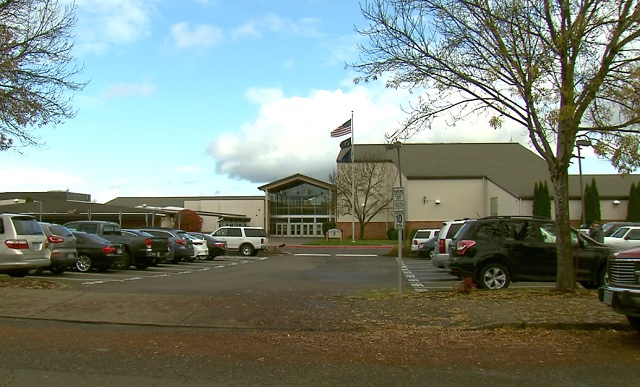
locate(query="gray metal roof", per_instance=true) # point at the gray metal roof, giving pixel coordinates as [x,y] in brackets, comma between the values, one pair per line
[174,201]
[511,166]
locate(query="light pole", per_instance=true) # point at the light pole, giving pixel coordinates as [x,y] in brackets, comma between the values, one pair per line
[580,143]
[39,210]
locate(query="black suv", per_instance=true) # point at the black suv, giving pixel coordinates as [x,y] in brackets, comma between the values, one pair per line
[496,251]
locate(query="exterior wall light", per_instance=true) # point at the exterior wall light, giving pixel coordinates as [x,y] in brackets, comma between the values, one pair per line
[616,202]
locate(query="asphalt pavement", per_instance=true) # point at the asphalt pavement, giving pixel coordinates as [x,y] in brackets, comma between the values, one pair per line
[74,305]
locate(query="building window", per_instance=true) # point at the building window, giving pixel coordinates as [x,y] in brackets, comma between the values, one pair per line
[494,206]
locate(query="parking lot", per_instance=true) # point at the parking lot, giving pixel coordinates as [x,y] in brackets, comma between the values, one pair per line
[422,276]
[95,278]
[418,273]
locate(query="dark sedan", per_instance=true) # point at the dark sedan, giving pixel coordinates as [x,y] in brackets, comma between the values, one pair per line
[427,249]
[95,252]
[216,247]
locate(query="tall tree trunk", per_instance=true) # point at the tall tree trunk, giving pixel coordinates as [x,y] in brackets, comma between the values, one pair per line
[565,279]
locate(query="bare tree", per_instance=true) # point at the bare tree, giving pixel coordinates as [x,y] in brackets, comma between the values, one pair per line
[36,68]
[371,186]
[560,69]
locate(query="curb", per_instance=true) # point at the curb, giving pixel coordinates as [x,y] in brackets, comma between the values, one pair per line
[558,326]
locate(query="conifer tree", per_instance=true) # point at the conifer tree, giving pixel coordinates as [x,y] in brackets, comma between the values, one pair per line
[633,204]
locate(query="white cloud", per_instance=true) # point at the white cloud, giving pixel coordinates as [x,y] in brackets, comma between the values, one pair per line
[104,23]
[201,35]
[23,179]
[291,134]
[276,24]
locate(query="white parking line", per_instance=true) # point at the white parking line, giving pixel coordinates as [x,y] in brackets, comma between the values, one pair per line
[160,271]
[334,255]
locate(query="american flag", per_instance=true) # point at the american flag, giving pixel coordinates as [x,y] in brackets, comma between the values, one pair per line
[342,130]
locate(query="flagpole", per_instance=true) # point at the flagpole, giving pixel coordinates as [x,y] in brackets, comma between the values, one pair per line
[353,192]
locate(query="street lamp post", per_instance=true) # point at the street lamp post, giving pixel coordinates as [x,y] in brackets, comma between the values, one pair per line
[39,210]
[580,143]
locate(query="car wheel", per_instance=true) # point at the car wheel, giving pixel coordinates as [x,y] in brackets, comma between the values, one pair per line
[37,271]
[432,253]
[126,261]
[603,276]
[84,263]
[57,269]
[634,322]
[247,250]
[18,273]
[603,279]
[141,265]
[494,276]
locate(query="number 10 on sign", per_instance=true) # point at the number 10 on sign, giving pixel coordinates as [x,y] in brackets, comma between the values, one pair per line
[399,221]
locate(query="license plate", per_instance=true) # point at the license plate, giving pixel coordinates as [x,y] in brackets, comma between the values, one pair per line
[608,297]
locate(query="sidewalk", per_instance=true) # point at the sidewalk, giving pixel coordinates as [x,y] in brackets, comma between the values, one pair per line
[310,314]
[276,242]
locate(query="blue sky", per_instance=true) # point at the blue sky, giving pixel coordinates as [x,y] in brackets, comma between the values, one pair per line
[217,97]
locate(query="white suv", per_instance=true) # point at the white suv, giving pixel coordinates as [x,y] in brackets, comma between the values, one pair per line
[246,240]
[23,245]
[447,232]
[423,235]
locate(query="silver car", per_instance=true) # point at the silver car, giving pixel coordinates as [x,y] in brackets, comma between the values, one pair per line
[23,245]
[62,244]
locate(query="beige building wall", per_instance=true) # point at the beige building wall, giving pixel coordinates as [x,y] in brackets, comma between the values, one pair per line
[444,199]
[253,208]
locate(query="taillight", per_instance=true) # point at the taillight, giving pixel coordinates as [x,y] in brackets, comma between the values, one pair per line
[219,245]
[109,249]
[415,242]
[262,241]
[180,241]
[55,239]
[18,244]
[441,248]
[148,242]
[463,246]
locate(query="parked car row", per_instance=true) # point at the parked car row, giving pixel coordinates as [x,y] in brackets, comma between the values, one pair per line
[27,245]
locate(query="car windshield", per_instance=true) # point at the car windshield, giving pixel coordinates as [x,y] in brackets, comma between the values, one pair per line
[620,232]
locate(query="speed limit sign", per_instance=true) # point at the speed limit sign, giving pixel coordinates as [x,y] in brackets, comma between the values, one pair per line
[399,221]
